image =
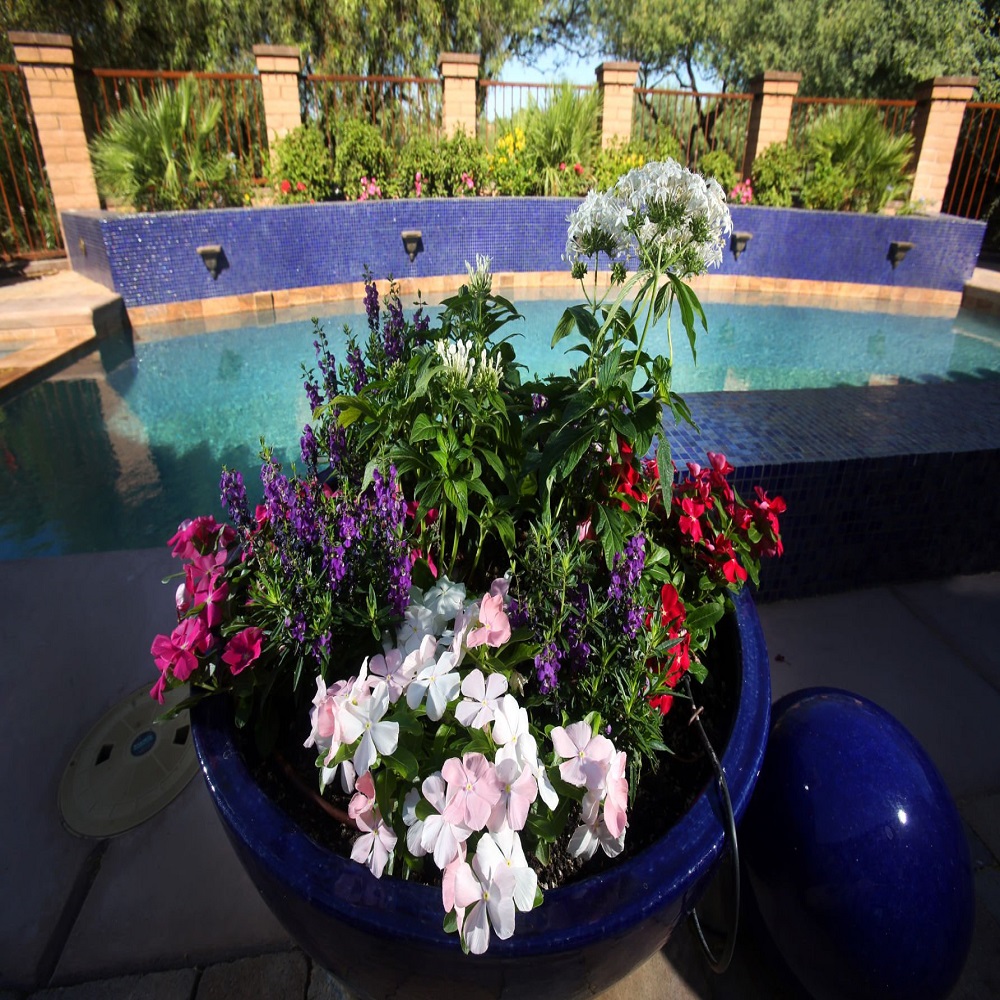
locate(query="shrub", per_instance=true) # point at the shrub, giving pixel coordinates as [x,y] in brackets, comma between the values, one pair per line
[561,136]
[719,164]
[160,156]
[418,169]
[508,166]
[302,168]
[359,152]
[856,161]
[463,165]
[777,175]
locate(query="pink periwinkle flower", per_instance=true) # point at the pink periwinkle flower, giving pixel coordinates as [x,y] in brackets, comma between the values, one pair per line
[473,790]
[494,629]
[616,796]
[482,698]
[435,835]
[375,845]
[518,789]
[243,649]
[490,894]
[178,651]
[588,756]
[200,536]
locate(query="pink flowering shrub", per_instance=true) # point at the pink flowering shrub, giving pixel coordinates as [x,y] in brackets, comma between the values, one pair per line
[742,192]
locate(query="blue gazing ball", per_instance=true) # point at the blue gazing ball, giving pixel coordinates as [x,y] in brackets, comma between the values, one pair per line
[856,854]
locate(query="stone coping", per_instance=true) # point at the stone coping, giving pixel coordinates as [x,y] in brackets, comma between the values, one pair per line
[851,296]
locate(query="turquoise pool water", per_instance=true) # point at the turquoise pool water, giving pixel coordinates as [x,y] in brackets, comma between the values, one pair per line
[114,451]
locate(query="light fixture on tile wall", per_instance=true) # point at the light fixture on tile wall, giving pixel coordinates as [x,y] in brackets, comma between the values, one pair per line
[738,243]
[413,243]
[898,249]
[214,258]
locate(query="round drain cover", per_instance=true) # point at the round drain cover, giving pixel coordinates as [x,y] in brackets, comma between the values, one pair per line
[128,767]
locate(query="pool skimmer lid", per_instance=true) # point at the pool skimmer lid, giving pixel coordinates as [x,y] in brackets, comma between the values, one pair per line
[128,767]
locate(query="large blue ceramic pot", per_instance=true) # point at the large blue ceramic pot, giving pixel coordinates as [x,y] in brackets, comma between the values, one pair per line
[384,937]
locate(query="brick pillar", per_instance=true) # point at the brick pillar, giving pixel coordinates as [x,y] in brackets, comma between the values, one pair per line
[47,62]
[279,67]
[616,82]
[770,113]
[459,73]
[936,125]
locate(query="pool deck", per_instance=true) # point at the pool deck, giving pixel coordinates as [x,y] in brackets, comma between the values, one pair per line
[165,911]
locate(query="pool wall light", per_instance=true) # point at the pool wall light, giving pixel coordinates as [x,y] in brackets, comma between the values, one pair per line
[738,243]
[413,243]
[898,249]
[214,257]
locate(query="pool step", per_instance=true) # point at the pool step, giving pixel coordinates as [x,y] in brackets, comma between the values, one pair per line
[45,322]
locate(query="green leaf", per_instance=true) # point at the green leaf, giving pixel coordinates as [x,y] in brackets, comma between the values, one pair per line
[404,763]
[690,307]
[423,429]
[705,617]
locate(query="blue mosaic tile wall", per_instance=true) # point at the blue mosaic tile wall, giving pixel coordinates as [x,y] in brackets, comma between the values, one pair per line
[884,484]
[152,259]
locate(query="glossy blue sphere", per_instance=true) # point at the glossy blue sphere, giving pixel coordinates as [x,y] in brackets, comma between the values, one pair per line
[856,854]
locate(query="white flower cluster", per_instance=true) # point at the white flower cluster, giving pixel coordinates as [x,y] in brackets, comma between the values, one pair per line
[468,815]
[464,369]
[661,213]
[480,276]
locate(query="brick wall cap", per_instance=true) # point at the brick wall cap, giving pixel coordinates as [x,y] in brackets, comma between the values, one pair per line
[458,57]
[624,67]
[925,89]
[40,38]
[282,51]
[777,75]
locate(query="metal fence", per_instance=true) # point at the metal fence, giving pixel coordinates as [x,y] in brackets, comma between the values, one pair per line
[500,104]
[974,184]
[896,116]
[687,124]
[241,129]
[399,107]
[29,225]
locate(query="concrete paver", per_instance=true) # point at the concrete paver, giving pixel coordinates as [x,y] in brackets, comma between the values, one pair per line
[260,978]
[177,984]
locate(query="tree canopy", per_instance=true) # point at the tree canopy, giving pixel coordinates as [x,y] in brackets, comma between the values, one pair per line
[843,48]
[339,36]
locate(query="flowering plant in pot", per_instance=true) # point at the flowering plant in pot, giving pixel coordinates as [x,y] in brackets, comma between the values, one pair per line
[476,601]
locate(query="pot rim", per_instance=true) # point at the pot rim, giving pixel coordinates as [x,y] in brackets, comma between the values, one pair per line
[572,916]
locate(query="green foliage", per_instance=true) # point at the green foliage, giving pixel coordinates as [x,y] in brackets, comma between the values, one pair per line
[561,135]
[510,169]
[463,165]
[377,37]
[719,164]
[161,156]
[359,151]
[302,164]
[621,157]
[857,163]
[850,48]
[777,176]
[421,155]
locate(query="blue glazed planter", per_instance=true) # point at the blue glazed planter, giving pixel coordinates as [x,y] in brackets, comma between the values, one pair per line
[384,937]
[856,854]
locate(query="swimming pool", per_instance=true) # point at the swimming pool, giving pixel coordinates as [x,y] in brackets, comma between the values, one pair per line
[114,451]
